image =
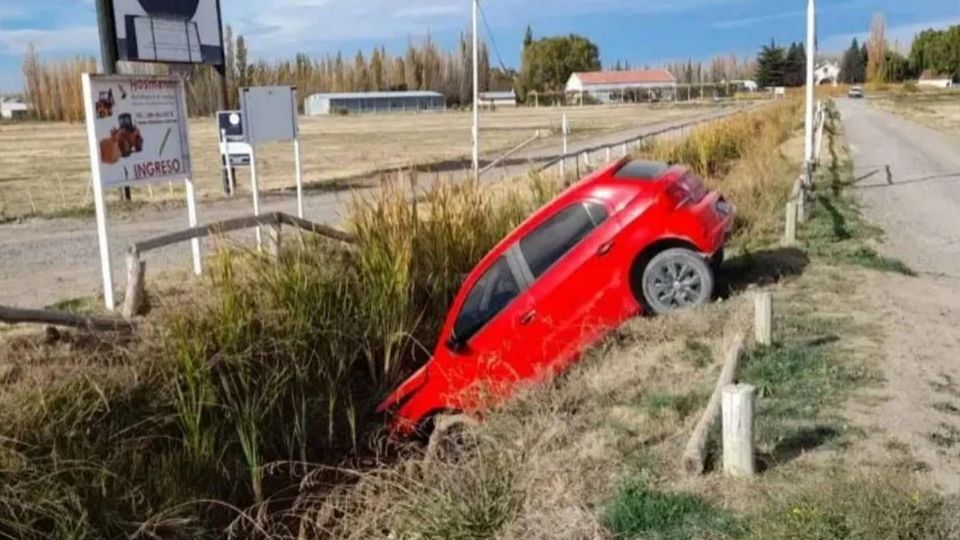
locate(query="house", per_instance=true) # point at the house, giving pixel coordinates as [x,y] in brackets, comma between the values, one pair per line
[748,85]
[492,100]
[14,110]
[618,86]
[930,79]
[827,73]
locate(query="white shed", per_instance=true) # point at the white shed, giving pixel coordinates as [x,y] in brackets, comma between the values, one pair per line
[492,100]
[14,110]
[827,73]
[930,79]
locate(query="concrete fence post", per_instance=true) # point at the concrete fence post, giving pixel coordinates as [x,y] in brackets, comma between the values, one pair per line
[737,411]
[136,273]
[763,319]
[790,235]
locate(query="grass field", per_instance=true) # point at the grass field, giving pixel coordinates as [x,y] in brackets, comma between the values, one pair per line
[44,167]
[937,109]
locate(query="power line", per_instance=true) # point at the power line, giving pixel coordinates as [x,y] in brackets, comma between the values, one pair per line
[493,39]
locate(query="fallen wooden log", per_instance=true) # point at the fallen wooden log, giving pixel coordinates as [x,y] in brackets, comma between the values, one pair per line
[694,456]
[11,315]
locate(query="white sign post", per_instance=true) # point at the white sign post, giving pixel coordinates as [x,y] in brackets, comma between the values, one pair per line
[137,133]
[269,114]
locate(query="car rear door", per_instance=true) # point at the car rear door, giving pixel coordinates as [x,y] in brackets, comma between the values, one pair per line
[575,281]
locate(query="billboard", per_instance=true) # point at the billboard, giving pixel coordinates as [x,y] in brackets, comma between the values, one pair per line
[137,127]
[175,31]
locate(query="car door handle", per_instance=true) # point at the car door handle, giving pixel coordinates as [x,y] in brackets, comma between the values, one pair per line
[528,317]
[604,249]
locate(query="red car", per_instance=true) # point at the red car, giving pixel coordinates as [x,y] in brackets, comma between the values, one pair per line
[634,237]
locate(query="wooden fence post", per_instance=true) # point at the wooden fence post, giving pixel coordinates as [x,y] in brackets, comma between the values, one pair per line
[609,154]
[136,274]
[790,235]
[695,453]
[763,321]
[624,150]
[273,238]
[737,407]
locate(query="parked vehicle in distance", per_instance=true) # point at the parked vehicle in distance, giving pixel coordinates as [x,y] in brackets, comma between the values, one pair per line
[634,237]
[856,92]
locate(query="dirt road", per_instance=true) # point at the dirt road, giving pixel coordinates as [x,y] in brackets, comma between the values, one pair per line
[44,261]
[908,178]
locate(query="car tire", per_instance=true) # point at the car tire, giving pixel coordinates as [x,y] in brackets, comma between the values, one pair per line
[674,280]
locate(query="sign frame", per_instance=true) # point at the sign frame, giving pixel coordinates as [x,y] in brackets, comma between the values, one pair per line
[103,237]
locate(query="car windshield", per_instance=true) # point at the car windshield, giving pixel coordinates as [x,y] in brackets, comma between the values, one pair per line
[489,296]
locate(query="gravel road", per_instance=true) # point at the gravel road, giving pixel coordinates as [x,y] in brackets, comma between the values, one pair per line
[46,260]
[918,202]
[910,186]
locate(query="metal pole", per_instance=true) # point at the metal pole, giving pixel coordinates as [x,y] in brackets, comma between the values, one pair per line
[108,53]
[811,61]
[476,94]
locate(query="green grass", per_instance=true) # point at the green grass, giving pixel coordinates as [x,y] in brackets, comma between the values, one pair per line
[855,506]
[640,512]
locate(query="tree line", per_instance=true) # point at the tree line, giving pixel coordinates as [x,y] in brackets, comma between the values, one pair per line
[54,91]
[781,66]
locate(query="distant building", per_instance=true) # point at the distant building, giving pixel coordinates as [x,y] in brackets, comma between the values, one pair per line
[373,102]
[930,79]
[614,86]
[827,73]
[14,110]
[747,85]
[492,100]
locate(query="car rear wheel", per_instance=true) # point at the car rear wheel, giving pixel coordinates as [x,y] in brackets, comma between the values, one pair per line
[676,279]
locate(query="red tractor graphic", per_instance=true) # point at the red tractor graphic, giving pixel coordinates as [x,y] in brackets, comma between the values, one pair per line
[105,104]
[127,136]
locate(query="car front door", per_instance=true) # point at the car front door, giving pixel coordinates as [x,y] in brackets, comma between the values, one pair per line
[487,336]
[574,280]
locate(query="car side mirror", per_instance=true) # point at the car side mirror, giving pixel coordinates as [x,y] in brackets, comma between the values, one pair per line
[456,345]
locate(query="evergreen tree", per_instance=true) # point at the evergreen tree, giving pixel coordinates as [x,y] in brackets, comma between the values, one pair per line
[771,64]
[795,66]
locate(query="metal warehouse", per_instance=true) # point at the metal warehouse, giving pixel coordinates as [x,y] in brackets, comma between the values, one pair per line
[373,102]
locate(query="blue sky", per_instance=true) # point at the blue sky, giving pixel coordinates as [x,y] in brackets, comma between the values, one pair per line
[641,31]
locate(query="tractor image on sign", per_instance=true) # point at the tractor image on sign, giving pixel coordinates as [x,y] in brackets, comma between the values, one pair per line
[127,136]
[123,141]
[105,104]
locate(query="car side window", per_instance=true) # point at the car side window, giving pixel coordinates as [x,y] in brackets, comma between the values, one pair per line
[546,245]
[490,295]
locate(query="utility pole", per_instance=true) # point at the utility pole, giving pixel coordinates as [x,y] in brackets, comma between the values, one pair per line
[476,95]
[811,63]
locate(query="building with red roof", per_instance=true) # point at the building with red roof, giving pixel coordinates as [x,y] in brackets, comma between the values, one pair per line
[609,86]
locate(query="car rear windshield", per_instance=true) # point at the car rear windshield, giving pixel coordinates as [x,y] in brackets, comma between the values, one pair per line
[642,170]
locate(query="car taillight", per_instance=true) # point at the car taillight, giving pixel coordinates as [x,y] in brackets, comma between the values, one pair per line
[677,194]
[694,187]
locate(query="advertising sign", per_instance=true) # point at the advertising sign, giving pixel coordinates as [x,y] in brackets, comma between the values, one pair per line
[177,31]
[269,114]
[140,129]
[137,134]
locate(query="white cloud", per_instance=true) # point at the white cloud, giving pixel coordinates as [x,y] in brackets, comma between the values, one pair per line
[746,22]
[73,39]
